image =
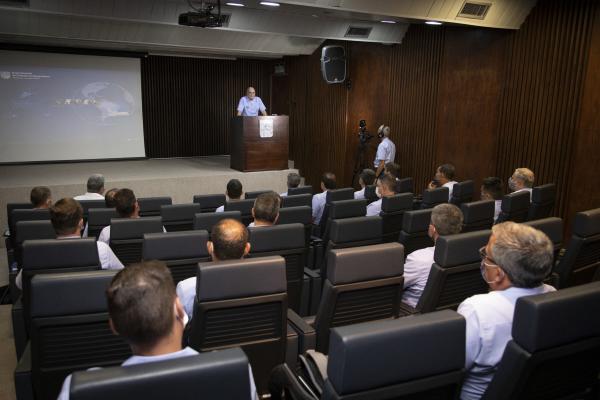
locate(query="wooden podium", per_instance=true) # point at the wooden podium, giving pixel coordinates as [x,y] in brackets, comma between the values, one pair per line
[259,143]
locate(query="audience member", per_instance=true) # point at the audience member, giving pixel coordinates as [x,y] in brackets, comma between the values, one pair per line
[66,216]
[446,219]
[41,197]
[521,180]
[109,198]
[392,169]
[386,150]
[293,181]
[319,200]
[444,177]
[95,188]
[127,207]
[366,178]
[386,187]
[266,209]
[491,189]
[514,264]
[234,192]
[229,241]
[145,311]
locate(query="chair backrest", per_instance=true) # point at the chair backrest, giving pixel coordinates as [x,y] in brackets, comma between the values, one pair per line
[405,185]
[352,232]
[363,284]
[297,200]
[151,206]
[433,197]
[210,202]
[462,192]
[478,215]
[179,217]
[542,201]
[455,273]
[30,230]
[218,374]
[553,228]
[582,257]
[87,205]
[392,214]
[23,214]
[15,206]
[206,221]
[555,350]
[242,303]
[255,194]
[515,207]
[330,197]
[181,251]
[413,235]
[127,236]
[295,215]
[98,218]
[69,328]
[288,241]
[341,209]
[402,358]
[300,190]
[244,207]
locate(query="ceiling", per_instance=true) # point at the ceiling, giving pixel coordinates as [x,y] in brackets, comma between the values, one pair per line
[295,27]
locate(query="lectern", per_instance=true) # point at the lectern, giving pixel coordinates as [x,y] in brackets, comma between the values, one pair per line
[259,143]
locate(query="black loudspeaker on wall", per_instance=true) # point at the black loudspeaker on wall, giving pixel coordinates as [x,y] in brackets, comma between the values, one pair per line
[333,64]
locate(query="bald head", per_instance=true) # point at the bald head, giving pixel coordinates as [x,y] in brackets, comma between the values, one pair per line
[250,92]
[229,240]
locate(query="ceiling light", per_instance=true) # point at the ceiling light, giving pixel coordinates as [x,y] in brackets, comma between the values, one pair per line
[388,21]
[269,3]
[433,22]
[234,4]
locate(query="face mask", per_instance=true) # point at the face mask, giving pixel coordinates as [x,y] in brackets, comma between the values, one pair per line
[482,268]
[511,184]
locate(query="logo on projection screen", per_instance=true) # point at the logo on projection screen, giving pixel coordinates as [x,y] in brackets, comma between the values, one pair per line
[5,74]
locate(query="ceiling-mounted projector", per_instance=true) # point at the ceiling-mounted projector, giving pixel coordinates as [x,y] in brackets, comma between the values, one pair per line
[202,15]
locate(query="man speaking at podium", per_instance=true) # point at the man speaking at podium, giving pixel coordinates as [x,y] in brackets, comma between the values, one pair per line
[251,104]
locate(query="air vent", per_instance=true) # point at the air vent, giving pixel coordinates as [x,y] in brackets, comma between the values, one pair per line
[358,32]
[474,10]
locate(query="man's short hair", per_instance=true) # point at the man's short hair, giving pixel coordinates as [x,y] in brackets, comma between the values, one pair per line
[524,253]
[293,180]
[65,215]
[229,238]
[140,303]
[266,206]
[328,180]
[125,202]
[39,195]
[95,183]
[109,198]
[493,186]
[367,176]
[447,219]
[234,189]
[389,182]
[447,170]
[526,175]
[393,169]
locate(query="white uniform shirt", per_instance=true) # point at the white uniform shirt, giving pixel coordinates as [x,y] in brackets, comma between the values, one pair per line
[386,151]
[89,196]
[489,324]
[220,209]
[416,273]
[374,208]
[249,107]
[283,194]
[359,194]
[318,205]
[450,186]
[186,291]
[497,208]
[530,190]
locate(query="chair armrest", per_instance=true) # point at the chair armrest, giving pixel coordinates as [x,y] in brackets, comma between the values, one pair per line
[316,287]
[19,329]
[23,382]
[307,336]
[406,310]
[310,320]
[282,380]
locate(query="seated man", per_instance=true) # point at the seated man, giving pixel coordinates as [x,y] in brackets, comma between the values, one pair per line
[446,219]
[319,200]
[266,209]
[514,264]
[40,197]
[491,189]
[392,169]
[234,192]
[66,216]
[293,181]
[109,198]
[386,186]
[95,188]
[444,177]
[521,180]
[366,178]
[144,309]
[229,241]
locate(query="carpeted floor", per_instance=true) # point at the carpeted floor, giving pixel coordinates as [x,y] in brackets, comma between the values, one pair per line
[7,355]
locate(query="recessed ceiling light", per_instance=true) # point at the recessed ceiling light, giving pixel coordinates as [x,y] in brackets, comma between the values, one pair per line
[269,3]
[433,22]
[234,4]
[388,21]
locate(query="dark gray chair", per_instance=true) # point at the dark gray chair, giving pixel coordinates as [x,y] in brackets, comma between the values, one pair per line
[87,205]
[478,215]
[330,197]
[19,214]
[31,230]
[405,185]
[542,201]
[210,202]
[433,197]
[206,221]
[300,190]
[296,200]
[462,192]
[415,225]
[216,375]
[179,217]
[555,348]
[553,227]
[341,209]
[127,236]
[151,206]
[244,207]
[392,214]
[515,207]
[181,251]
[98,218]
[255,194]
